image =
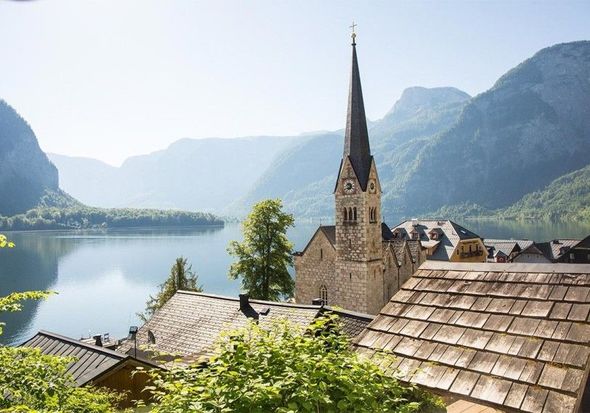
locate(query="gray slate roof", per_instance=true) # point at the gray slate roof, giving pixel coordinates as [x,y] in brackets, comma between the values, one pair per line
[91,361]
[515,337]
[553,250]
[452,233]
[190,323]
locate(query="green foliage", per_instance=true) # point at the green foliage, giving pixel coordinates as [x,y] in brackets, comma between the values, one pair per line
[264,256]
[13,302]
[4,243]
[83,217]
[33,382]
[182,277]
[282,369]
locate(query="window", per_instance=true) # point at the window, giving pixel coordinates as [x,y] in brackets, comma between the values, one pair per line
[354,209]
[324,294]
[350,276]
[350,214]
[345,214]
[572,256]
[321,254]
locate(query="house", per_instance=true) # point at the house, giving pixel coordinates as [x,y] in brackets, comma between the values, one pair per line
[354,264]
[504,250]
[558,251]
[97,366]
[512,337]
[531,254]
[189,324]
[444,240]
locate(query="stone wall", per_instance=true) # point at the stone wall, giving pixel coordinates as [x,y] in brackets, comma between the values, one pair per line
[314,268]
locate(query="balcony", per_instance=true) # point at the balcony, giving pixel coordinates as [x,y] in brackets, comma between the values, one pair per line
[471,254]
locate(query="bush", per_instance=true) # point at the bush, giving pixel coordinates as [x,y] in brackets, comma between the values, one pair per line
[283,369]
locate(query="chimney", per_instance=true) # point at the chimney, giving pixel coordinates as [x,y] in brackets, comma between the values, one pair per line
[97,340]
[244,302]
[317,301]
[246,308]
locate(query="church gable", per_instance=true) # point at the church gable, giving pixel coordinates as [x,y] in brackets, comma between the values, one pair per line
[324,236]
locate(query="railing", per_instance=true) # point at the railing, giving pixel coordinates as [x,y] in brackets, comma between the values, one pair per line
[471,254]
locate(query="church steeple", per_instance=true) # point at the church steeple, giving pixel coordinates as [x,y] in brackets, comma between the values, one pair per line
[356,141]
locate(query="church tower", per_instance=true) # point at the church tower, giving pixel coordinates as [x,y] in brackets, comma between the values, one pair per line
[359,255]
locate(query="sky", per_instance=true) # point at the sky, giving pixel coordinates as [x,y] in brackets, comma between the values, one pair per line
[109,79]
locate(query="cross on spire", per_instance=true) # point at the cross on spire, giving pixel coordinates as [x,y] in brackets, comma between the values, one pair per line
[353,33]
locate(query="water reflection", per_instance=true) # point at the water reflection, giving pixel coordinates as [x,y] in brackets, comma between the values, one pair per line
[104,277]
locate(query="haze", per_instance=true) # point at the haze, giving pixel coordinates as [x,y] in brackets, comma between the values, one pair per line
[110,79]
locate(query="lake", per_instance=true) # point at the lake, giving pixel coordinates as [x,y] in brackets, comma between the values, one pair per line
[103,278]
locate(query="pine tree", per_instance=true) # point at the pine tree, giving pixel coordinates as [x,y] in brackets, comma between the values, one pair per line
[181,277]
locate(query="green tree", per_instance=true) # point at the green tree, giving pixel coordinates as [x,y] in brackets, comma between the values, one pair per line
[283,369]
[33,382]
[5,243]
[263,258]
[182,277]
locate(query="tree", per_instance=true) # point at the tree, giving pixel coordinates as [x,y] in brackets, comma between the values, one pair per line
[33,382]
[182,277]
[263,258]
[4,243]
[284,369]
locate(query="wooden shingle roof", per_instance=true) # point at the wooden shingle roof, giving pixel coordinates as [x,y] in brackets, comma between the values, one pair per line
[190,323]
[515,337]
[91,361]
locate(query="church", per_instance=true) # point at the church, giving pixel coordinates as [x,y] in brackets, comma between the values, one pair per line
[356,264]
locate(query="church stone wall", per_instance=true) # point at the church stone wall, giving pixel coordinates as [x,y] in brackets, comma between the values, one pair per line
[314,268]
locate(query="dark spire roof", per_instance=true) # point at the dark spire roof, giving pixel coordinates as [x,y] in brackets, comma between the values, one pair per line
[356,141]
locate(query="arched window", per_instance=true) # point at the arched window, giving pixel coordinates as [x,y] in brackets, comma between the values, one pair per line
[345,214]
[354,213]
[350,214]
[324,294]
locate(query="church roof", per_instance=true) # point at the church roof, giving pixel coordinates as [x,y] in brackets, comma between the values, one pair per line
[515,337]
[356,138]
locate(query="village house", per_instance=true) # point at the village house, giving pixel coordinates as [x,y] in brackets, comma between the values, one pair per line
[502,337]
[504,250]
[189,324]
[356,263]
[444,240]
[97,365]
[558,251]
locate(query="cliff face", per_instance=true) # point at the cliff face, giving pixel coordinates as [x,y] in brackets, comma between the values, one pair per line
[530,128]
[25,171]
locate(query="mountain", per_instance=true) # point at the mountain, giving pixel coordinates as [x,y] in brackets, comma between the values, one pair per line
[437,148]
[191,174]
[27,175]
[530,128]
[304,176]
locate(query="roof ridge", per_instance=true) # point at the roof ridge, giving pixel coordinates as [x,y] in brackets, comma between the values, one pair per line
[81,343]
[237,299]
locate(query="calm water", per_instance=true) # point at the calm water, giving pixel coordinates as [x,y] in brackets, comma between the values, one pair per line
[103,278]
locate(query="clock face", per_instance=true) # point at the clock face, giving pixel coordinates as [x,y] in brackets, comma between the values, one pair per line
[372,187]
[349,186]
